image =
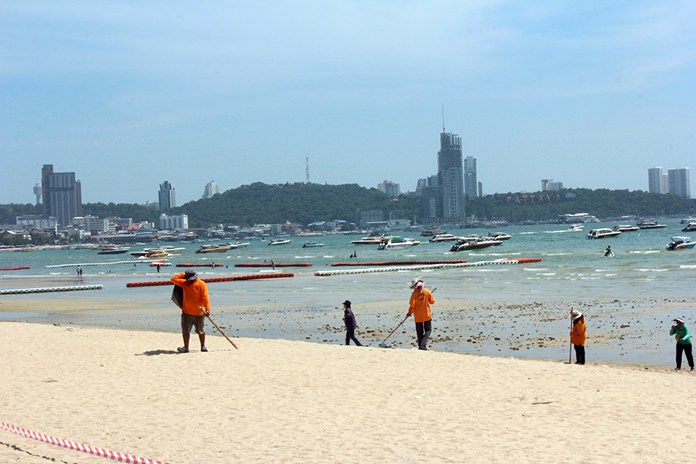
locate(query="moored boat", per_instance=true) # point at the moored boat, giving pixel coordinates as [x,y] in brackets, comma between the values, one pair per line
[397,242]
[680,243]
[650,224]
[690,227]
[443,238]
[626,228]
[312,245]
[602,233]
[370,240]
[474,243]
[279,242]
[499,236]
[212,248]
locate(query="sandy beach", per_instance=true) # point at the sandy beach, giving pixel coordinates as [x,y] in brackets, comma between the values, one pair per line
[292,401]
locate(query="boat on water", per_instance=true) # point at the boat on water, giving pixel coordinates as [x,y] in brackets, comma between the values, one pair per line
[279,242]
[369,240]
[650,224]
[213,248]
[312,245]
[576,228]
[443,238]
[474,243]
[397,242]
[499,236]
[602,233]
[112,250]
[690,227]
[626,228]
[680,243]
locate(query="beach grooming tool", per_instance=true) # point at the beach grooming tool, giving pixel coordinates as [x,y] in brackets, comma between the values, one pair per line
[383,344]
[219,329]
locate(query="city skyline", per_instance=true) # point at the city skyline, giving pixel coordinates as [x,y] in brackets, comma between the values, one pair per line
[128,94]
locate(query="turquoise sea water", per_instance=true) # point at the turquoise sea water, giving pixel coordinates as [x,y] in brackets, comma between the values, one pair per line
[642,278]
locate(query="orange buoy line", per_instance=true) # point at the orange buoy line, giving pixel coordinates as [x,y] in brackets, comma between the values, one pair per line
[214,279]
[18,268]
[199,265]
[273,265]
[396,263]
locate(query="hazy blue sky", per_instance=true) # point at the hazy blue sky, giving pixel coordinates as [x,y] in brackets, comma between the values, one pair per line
[128,94]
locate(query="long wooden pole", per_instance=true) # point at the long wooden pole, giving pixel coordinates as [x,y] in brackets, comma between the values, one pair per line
[207,314]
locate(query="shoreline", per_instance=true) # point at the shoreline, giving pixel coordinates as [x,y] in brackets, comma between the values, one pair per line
[297,402]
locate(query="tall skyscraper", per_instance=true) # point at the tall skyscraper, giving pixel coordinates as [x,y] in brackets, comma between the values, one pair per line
[450,173]
[167,196]
[211,188]
[470,181]
[657,180]
[678,182]
[62,195]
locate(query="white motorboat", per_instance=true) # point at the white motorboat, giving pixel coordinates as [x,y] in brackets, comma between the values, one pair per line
[474,243]
[602,233]
[576,228]
[443,238]
[690,227]
[279,242]
[650,224]
[312,245]
[397,242]
[212,248]
[626,228]
[499,236]
[680,243]
[371,240]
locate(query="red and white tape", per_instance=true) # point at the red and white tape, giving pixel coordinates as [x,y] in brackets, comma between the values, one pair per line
[101,452]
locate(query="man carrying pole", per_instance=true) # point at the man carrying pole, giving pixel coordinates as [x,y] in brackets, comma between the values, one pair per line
[419,306]
[195,306]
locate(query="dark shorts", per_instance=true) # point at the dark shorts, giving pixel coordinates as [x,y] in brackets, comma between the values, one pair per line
[188,321]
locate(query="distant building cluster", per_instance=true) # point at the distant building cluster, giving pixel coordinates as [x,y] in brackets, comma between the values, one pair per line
[389,188]
[672,181]
[548,185]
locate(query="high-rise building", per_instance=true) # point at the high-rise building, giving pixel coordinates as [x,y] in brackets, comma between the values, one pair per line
[549,184]
[450,172]
[678,182]
[470,182]
[37,193]
[211,188]
[167,196]
[62,195]
[657,180]
[389,188]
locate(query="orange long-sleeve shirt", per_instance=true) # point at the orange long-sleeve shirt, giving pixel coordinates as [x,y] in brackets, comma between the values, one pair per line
[577,336]
[195,295]
[419,305]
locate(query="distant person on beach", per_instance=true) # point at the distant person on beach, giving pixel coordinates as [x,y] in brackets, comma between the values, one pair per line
[419,306]
[351,324]
[608,252]
[195,306]
[578,335]
[681,334]
[78,270]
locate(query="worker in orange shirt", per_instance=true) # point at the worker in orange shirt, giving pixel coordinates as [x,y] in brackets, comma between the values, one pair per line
[419,306]
[195,305]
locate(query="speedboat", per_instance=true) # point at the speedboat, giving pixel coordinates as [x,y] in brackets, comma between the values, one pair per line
[576,228]
[443,238]
[396,242]
[312,245]
[279,242]
[212,248]
[690,227]
[602,233]
[474,243]
[499,236]
[371,240]
[680,243]
[112,250]
[626,228]
[650,224]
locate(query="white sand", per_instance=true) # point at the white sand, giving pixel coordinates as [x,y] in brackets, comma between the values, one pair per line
[280,401]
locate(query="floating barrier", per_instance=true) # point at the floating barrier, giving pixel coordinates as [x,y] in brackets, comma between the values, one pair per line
[273,265]
[72,445]
[18,268]
[215,279]
[72,288]
[108,263]
[396,263]
[200,265]
[426,266]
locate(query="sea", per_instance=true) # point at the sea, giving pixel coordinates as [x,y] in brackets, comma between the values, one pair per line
[484,308]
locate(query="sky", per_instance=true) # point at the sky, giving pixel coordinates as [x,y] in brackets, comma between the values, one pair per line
[128,94]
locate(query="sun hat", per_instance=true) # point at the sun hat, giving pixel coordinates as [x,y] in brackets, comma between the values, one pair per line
[347,303]
[575,314]
[678,319]
[190,275]
[415,282]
